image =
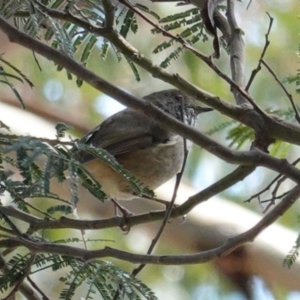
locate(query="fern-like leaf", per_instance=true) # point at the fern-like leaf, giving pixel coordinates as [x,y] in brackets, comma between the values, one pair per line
[88,49]
[134,69]
[293,254]
[127,22]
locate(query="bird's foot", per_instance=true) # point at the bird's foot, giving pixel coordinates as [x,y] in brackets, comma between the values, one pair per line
[125,214]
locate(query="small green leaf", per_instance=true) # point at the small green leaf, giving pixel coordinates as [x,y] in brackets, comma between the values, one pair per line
[65,209]
[147,10]
[134,69]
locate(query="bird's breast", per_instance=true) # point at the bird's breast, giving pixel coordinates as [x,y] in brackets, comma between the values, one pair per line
[155,165]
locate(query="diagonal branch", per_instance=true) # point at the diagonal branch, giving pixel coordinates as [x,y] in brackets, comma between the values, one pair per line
[116,39]
[290,97]
[221,185]
[20,281]
[200,257]
[237,55]
[275,127]
[267,43]
[258,120]
[24,288]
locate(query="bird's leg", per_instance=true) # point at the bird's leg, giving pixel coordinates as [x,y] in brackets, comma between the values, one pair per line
[125,213]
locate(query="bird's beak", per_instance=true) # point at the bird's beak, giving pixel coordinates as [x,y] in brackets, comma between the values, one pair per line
[200,109]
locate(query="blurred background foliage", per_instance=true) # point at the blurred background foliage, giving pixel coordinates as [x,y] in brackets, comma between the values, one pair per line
[87,107]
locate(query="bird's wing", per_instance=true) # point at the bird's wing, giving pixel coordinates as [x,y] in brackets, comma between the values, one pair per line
[124,132]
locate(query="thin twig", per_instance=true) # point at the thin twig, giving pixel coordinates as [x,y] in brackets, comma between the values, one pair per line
[207,59]
[14,228]
[249,4]
[18,198]
[168,210]
[272,201]
[25,271]
[39,224]
[24,288]
[171,204]
[264,190]
[200,257]
[239,174]
[34,285]
[55,13]
[278,184]
[290,97]
[6,230]
[267,43]
[8,139]
[270,184]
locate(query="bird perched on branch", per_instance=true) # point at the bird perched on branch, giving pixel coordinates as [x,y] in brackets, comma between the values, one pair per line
[144,147]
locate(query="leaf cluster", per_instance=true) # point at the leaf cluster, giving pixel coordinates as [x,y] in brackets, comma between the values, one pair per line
[9,72]
[36,162]
[100,278]
[293,254]
[32,17]
[190,22]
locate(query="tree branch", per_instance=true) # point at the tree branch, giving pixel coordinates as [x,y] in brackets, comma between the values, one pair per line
[20,281]
[200,257]
[237,54]
[267,43]
[229,180]
[290,97]
[257,119]
[24,288]
[275,127]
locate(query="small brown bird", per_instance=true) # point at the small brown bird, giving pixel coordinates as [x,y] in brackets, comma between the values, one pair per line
[150,152]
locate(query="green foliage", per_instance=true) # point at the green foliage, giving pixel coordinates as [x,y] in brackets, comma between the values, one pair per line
[24,153]
[37,20]
[294,79]
[147,10]
[88,49]
[33,17]
[280,149]
[17,264]
[193,31]
[91,185]
[293,254]
[103,278]
[239,135]
[64,209]
[220,127]
[134,69]
[128,23]
[100,278]
[4,75]
[73,171]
